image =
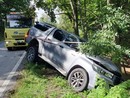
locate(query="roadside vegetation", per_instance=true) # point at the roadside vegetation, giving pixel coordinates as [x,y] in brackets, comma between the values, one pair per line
[41,81]
[105,24]
[1,31]
[1,37]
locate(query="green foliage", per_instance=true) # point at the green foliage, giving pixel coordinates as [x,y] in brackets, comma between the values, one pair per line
[47,20]
[100,91]
[93,15]
[1,30]
[1,37]
[115,19]
[42,82]
[64,23]
[18,5]
[104,91]
[48,6]
[104,42]
[120,91]
[89,16]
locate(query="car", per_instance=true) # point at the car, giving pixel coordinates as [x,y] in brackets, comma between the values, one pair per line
[61,50]
[37,30]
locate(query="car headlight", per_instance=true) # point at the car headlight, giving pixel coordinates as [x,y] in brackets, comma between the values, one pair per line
[7,42]
[102,71]
[109,75]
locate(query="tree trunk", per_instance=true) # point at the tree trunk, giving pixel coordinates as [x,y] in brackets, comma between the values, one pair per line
[108,2]
[85,24]
[82,17]
[74,7]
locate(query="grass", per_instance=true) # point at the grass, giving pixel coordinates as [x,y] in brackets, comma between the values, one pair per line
[40,81]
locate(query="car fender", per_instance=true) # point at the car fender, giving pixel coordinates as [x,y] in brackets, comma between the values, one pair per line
[87,65]
[39,46]
[33,42]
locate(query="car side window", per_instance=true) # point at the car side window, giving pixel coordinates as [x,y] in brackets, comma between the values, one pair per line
[72,38]
[58,35]
[40,27]
[71,41]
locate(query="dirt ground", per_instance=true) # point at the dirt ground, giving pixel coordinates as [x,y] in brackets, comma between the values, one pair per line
[126,72]
[125,67]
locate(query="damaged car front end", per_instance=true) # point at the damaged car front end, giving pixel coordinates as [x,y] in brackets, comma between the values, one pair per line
[106,69]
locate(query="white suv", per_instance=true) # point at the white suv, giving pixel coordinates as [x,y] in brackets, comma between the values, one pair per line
[59,48]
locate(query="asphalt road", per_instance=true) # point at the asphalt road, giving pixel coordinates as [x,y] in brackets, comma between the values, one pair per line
[1,44]
[9,63]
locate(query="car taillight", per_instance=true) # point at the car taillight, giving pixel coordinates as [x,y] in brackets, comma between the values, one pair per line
[27,34]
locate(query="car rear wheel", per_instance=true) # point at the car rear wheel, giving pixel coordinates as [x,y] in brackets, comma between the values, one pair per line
[32,54]
[78,79]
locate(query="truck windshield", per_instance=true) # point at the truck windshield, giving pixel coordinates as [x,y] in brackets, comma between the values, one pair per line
[18,21]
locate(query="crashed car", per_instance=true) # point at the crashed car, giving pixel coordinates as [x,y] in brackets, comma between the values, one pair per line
[37,30]
[59,49]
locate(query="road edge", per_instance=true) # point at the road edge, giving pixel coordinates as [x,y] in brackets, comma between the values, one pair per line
[3,88]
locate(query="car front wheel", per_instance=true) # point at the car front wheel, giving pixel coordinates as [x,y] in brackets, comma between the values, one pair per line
[78,79]
[32,54]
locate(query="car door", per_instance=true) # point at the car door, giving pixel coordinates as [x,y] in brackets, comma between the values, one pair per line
[59,52]
[50,45]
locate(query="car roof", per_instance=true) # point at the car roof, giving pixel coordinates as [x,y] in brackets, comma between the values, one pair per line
[45,24]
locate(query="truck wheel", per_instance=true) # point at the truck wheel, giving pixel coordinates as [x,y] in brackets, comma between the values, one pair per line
[78,79]
[32,54]
[9,48]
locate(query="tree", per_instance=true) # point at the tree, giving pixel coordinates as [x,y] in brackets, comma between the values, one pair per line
[64,23]
[86,15]
[18,5]
[74,7]
[79,12]
[68,7]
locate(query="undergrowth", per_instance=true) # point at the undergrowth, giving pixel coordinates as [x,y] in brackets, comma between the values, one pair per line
[39,81]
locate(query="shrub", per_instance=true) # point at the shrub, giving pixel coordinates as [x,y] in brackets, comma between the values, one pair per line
[105,42]
[104,91]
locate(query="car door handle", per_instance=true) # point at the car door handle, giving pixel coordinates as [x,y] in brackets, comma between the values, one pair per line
[61,46]
[49,39]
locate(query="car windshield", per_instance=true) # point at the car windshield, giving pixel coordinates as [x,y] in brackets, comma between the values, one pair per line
[16,21]
[72,40]
[21,23]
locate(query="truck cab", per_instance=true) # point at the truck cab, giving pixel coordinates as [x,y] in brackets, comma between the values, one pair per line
[16,27]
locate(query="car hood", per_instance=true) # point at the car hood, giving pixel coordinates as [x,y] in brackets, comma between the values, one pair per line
[105,63]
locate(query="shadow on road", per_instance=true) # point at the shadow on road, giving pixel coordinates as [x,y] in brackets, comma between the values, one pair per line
[18,48]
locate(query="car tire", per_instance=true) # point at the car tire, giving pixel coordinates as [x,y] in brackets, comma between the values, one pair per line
[9,48]
[32,54]
[78,79]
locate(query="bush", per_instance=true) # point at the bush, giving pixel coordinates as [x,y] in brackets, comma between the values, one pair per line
[103,45]
[106,41]
[103,91]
